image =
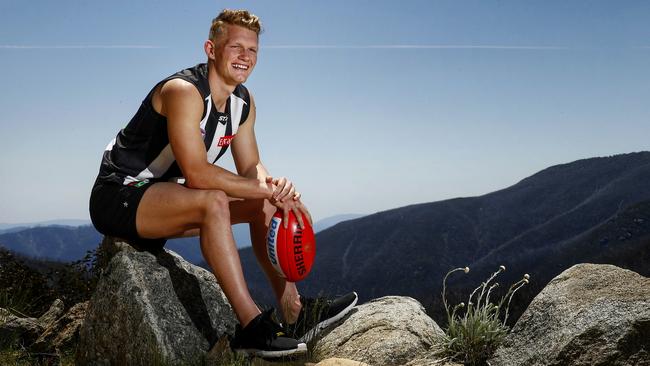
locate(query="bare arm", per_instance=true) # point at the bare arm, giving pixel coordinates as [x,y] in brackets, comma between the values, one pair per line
[183,106]
[247,158]
[247,161]
[244,149]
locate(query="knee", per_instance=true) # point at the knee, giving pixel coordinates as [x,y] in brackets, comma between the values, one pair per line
[261,210]
[268,210]
[215,205]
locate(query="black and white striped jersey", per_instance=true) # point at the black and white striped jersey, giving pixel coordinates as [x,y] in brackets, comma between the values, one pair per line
[141,151]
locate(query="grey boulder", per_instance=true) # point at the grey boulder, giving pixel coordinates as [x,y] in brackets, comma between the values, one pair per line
[588,315]
[153,307]
[390,330]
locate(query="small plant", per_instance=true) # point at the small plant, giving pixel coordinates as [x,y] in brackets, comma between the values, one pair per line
[474,331]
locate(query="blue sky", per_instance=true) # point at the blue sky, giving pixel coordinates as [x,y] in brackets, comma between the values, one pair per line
[365,105]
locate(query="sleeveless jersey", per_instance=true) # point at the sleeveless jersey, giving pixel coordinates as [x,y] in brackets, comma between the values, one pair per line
[141,151]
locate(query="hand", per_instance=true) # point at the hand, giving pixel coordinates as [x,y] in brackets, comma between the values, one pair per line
[284,188]
[298,208]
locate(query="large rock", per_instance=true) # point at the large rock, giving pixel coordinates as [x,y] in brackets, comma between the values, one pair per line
[588,315]
[387,331]
[152,308]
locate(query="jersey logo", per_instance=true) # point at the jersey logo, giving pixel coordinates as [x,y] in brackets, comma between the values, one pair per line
[225,141]
[223,119]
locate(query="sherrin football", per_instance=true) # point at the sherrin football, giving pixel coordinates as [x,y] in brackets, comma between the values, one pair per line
[291,250]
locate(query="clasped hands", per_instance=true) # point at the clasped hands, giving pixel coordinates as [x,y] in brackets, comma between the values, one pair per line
[287,199]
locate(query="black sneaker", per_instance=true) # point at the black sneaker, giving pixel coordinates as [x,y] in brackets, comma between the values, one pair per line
[264,338]
[318,314]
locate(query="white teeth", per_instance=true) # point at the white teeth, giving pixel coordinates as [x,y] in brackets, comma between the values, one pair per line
[238,66]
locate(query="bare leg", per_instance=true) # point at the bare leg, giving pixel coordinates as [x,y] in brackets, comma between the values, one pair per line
[258,214]
[169,209]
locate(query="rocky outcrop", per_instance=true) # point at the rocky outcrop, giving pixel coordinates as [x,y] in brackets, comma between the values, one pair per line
[60,333]
[588,315]
[16,330]
[387,331]
[48,333]
[50,316]
[153,307]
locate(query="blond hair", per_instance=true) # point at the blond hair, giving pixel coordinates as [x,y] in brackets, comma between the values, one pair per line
[242,18]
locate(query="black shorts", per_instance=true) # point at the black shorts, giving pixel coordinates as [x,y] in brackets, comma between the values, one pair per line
[113,209]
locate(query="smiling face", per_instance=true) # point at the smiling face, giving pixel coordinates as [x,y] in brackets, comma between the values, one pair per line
[233,54]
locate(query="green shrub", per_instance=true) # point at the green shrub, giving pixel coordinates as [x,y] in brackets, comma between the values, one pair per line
[23,291]
[474,331]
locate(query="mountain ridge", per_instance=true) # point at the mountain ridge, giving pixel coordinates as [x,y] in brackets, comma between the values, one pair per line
[58,242]
[543,218]
[4,227]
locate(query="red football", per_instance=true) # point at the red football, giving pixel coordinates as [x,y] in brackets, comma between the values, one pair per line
[291,250]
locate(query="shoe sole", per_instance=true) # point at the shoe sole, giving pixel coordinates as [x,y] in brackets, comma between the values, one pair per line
[302,348]
[327,322]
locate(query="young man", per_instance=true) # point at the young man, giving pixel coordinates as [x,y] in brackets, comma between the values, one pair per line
[158,179]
